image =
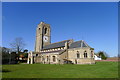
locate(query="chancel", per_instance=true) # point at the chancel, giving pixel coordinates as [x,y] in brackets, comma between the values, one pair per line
[63,52]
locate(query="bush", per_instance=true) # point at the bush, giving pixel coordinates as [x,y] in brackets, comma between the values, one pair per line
[102,55]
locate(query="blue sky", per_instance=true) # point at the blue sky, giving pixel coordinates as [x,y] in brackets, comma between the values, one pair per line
[94,22]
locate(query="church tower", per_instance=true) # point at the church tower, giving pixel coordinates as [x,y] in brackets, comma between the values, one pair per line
[43,37]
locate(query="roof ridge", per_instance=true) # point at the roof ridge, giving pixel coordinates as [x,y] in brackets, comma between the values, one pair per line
[60,41]
[86,44]
[77,41]
[79,44]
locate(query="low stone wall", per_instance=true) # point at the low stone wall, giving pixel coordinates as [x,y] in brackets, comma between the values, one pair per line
[106,60]
[86,61]
[83,61]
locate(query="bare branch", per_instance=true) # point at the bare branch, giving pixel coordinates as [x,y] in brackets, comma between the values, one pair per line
[18,44]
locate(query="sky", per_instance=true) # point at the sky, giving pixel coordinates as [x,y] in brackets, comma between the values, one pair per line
[94,22]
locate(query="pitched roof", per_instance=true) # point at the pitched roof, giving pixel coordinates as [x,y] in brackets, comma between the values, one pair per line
[56,45]
[80,43]
[58,51]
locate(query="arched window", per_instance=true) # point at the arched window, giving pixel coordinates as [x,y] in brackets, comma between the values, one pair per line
[45,30]
[42,58]
[36,54]
[54,59]
[78,54]
[85,54]
[47,58]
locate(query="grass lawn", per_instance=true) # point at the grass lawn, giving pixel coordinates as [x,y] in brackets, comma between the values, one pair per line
[98,70]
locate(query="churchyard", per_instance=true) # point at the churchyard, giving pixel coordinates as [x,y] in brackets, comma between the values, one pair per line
[98,70]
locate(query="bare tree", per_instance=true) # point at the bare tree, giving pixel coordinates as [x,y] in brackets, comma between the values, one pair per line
[18,45]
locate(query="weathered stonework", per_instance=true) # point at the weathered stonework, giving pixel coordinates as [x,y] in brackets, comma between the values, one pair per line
[62,52]
[43,30]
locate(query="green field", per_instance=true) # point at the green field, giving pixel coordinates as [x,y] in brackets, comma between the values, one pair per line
[98,70]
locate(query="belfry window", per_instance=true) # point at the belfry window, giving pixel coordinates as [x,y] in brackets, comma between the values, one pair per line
[53,58]
[85,54]
[45,30]
[39,30]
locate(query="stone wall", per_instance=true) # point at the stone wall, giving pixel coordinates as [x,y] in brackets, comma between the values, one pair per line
[72,55]
[68,54]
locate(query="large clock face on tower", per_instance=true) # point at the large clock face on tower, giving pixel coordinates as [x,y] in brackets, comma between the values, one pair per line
[45,39]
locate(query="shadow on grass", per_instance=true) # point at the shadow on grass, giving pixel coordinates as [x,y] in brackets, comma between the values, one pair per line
[5,71]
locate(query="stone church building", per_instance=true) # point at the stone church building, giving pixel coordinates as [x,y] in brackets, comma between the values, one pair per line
[63,52]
